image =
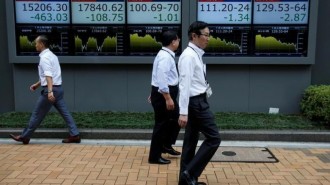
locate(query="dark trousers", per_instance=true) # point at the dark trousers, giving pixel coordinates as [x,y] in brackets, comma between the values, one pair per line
[200,119]
[43,106]
[166,128]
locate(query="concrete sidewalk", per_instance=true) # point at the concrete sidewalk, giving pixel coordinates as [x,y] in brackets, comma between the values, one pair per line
[119,162]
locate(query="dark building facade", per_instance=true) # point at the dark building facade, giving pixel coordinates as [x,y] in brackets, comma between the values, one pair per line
[114,86]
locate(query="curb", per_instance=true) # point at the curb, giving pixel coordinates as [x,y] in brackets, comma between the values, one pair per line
[145,134]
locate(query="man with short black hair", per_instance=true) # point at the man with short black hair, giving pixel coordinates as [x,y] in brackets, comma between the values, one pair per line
[195,114]
[163,97]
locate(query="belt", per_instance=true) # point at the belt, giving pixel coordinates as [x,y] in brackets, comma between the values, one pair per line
[199,96]
[168,86]
[53,86]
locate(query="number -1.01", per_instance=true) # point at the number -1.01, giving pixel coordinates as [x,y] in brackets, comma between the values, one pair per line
[167,17]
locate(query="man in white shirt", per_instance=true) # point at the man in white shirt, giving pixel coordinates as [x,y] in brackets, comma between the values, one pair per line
[195,114]
[51,95]
[163,99]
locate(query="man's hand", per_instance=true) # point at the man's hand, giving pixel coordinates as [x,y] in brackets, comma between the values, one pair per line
[170,104]
[183,120]
[51,97]
[33,87]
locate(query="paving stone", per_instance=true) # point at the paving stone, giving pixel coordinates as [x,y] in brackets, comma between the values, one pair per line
[118,165]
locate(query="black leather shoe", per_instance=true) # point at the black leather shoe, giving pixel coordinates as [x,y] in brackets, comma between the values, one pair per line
[19,139]
[190,180]
[72,139]
[160,161]
[199,183]
[170,150]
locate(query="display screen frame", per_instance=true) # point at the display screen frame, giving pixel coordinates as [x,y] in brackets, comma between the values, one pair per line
[102,12]
[72,56]
[211,11]
[252,58]
[40,12]
[188,15]
[166,12]
[280,12]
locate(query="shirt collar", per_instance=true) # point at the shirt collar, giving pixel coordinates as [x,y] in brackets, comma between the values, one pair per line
[197,49]
[44,51]
[168,50]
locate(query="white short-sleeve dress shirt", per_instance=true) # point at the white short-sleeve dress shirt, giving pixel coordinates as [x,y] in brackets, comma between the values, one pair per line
[49,66]
[164,71]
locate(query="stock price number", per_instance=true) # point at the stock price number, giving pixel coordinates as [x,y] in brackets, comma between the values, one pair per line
[224,7]
[149,12]
[154,7]
[281,7]
[104,17]
[95,12]
[42,12]
[49,17]
[290,12]
[170,17]
[225,12]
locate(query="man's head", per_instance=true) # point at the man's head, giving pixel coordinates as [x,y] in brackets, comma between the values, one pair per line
[199,34]
[41,43]
[170,39]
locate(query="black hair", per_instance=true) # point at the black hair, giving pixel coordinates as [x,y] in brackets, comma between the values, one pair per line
[196,28]
[168,36]
[44,40]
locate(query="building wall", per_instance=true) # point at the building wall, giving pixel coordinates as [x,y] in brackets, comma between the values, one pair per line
[320,72]
[125,87]
[238,88]
[6,71]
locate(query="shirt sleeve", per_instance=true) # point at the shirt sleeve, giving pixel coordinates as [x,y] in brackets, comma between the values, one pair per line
[46,67]
[163,69]
[186,66]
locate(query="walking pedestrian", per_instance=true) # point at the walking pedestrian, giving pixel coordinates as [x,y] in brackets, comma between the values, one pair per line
[163,97]
[51,95]
[195,114]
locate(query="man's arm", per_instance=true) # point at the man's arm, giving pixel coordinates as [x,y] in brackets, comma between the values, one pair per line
[162,71]
[50,88]
[186,73]
[169,101]
[35,86]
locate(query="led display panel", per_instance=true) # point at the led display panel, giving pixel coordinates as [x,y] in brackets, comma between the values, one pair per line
[154,11]
[58,38]
[122,28]
[281,12]
[281,28]
[98,11]
[42,11]
[225,11]
[146,40]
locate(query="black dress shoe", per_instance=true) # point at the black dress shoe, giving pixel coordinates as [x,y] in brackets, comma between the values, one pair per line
[199,183]
[170,150]
[190,180]
[72,139]
[19,139]
[160,161]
